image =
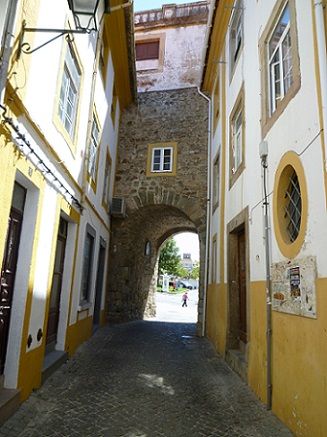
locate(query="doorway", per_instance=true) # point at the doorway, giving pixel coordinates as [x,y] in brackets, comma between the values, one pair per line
[55,294]
[238,274]
[9,267]
[99,284]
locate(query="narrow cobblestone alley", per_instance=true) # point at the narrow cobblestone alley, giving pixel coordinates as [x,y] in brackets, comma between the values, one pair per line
[144,379]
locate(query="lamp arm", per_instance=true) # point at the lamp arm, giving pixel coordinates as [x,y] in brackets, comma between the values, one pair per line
[24,47]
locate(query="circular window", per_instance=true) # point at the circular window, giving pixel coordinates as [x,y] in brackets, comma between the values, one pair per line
[293,206]
[290,205]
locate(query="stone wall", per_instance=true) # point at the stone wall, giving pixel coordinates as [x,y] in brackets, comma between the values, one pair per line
[157,207]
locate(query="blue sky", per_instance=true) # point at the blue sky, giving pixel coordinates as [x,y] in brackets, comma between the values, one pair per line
[143,5]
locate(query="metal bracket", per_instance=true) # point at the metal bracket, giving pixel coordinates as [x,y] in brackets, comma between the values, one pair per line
[24,47]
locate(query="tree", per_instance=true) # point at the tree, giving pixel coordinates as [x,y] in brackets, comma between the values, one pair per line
[195,273]
[169,260]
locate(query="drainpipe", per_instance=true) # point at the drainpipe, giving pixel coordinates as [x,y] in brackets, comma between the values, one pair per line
[263,156]
[208,225]
[8,37]
[322,55]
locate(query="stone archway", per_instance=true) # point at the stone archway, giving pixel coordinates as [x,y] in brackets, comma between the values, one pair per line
[156,207]
[132,280]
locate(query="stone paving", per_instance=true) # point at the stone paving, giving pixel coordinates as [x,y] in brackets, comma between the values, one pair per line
[147,379]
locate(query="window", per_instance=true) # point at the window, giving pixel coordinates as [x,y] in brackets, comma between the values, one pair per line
[293,207]
[237,140]
[236,35]
[162,159]
[93,152]
[147,50]
[280,63]
[87,264]
[114,105]
[280,60]
[104,56]
[69,89]
[216,103]
[290,205]
[216,181]
[106,183]
[214,261]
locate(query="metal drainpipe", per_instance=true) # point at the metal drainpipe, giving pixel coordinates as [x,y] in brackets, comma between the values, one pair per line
[268,284]
[322,54]
[208,228]
[7,46]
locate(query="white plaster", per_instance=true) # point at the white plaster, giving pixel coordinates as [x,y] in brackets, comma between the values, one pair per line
[21,287]
[41,287]
[181,62]
[294,130]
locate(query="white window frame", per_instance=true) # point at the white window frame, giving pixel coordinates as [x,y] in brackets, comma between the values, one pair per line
[236,34]
[106,182]
[280,65]
[69,92]
[216,181]
[237,140]
[93,149]
[161,164]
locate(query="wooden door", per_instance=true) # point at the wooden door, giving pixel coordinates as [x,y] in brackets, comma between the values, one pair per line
[9,267]
[242,286]
[54,309]
[99,285]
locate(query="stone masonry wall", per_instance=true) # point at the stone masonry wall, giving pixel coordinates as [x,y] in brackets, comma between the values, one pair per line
[157,207]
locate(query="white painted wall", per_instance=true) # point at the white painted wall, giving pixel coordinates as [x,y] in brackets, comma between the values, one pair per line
[40,86]
[182,59]
[294,130]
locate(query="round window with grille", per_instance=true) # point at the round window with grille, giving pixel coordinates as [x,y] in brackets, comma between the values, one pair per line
[290,202]
[293,207]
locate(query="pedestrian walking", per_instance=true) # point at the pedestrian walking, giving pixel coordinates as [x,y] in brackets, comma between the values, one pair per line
[184,299]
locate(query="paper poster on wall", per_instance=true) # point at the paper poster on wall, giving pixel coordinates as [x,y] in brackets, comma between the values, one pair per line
[294,287]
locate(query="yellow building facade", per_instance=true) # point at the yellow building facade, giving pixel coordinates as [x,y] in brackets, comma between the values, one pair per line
[60,114]
[265,70]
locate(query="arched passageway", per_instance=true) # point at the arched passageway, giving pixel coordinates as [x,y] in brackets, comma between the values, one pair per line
[158,204]
[135,248]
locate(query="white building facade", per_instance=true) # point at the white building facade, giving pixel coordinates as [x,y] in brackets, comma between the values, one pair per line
[265,69]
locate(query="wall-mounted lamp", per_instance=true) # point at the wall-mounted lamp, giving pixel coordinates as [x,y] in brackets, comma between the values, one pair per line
[87,15]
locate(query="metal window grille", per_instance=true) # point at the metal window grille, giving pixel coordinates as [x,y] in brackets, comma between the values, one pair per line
[293,208]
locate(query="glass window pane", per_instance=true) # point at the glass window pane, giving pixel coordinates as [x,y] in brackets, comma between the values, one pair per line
[279,30]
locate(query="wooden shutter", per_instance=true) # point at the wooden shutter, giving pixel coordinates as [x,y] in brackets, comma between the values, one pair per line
[147,50]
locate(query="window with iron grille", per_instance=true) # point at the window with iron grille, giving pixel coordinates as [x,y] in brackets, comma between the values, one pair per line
[293,207]
[68,99]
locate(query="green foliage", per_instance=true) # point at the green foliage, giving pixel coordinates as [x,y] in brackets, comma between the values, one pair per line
[183,272]
[195,273]
[169,260]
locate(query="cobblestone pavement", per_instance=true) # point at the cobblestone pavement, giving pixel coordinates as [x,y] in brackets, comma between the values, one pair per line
[144,379]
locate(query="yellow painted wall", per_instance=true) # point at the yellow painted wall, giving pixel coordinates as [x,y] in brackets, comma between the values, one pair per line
[257,330]
[77,334]
[299,356]
[216,316]
[300,369]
